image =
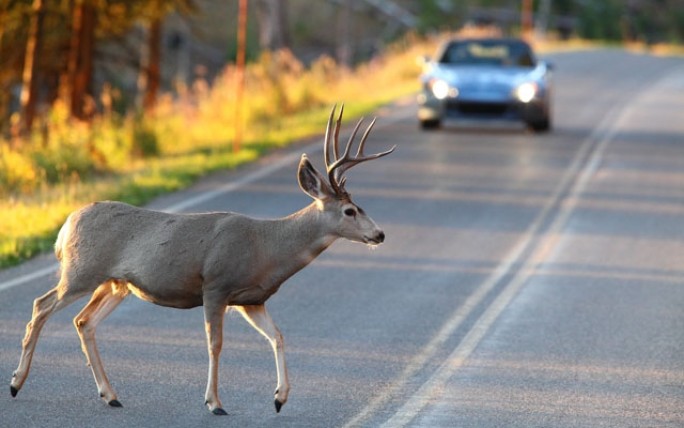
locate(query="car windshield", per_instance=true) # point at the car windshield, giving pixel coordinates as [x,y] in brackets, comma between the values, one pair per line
[501,53]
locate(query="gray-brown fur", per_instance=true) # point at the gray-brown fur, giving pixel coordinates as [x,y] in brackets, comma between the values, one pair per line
[173,259]
[220,261]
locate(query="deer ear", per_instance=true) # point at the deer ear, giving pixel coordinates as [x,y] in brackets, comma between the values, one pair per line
[311,181]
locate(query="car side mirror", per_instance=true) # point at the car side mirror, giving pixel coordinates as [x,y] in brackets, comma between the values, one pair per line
[424,62]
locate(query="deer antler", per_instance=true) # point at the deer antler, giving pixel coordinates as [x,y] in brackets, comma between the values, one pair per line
[336,166]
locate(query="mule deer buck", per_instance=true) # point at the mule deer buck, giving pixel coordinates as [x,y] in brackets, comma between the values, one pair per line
[220,261]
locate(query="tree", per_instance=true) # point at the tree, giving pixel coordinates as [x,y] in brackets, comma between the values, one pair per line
[273,24]
[58,50]
[154,12]
[344,36]
[149,79]
[29,89]
[76,82]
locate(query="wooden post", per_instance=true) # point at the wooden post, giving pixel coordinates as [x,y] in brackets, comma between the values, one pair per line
[526,19]
[240,73]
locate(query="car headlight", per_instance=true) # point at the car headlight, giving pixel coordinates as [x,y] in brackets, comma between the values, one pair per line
[526,91]
[440,89]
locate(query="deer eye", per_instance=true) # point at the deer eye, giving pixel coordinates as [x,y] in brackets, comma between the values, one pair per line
[351,212]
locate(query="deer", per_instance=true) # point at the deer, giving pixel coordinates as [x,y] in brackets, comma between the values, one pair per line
[221,261]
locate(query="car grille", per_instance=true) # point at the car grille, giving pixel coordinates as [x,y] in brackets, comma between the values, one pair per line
[472,108]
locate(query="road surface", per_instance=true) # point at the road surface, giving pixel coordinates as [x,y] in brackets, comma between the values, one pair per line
[526,281]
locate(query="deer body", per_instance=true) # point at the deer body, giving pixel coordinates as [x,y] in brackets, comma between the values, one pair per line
[173,259]
[220,261]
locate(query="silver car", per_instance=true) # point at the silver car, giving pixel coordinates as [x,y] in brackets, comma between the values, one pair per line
[487,78]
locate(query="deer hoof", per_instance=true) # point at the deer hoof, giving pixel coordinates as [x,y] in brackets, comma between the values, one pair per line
[219,411]
[278,405]
[115,403]
[13,391]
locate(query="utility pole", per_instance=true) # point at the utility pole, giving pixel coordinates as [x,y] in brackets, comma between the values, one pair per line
[526,19]
[240,73]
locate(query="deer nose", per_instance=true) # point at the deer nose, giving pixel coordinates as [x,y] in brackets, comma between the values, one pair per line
[380,237]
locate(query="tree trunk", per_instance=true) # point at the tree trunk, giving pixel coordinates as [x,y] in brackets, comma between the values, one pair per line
[343,52]
[81,101]
[153,70]
[4,91]
[66,83]
[29,88]
[76,84]
[273,24]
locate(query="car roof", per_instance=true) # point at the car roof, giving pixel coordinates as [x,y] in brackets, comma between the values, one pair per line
[487,39]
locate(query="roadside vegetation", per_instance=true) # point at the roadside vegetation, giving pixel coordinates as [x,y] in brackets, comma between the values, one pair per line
[64,163]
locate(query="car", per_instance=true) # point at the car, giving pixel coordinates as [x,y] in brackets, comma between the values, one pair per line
[483,79]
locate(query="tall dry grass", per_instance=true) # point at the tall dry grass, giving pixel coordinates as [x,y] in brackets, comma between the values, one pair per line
[64,164]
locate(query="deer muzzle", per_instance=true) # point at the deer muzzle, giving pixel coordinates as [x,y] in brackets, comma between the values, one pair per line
[376,239]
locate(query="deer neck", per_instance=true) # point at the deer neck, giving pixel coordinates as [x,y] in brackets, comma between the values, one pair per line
[304,234]
[282,247]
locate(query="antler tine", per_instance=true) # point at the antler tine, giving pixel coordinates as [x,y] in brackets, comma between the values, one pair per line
[345,166]
[350,142]
[328,135]
[338,126]
[342,164]
[339,168]
[334,170]
[359,152]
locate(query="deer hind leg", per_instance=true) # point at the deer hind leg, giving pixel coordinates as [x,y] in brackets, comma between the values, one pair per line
[213,325]
[258,317]
[104,300]
[43,307]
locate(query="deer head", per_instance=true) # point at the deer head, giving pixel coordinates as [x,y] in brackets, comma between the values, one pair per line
[333,200]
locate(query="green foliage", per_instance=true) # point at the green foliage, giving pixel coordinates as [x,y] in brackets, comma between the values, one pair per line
[61,161]
[601,20]
[441,15]
[647,21]
[18,172]
[145,143]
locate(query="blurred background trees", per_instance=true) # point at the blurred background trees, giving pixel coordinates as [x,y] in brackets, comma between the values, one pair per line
[102,55]
[124,99]
[66,50]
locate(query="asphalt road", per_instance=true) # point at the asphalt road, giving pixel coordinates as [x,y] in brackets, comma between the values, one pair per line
[526,281]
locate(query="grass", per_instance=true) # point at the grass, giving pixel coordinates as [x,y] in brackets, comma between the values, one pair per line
[31,223]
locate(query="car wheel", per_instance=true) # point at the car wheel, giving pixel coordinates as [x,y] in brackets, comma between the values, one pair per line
[543,125]
[430,124]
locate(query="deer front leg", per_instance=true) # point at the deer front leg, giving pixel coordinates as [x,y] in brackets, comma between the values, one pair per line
[259,318]
[105,299]
[213,325]
[43,307]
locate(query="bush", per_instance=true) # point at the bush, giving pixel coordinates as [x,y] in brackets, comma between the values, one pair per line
[18,173]
[144,140]
[64,158]
[111,144]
